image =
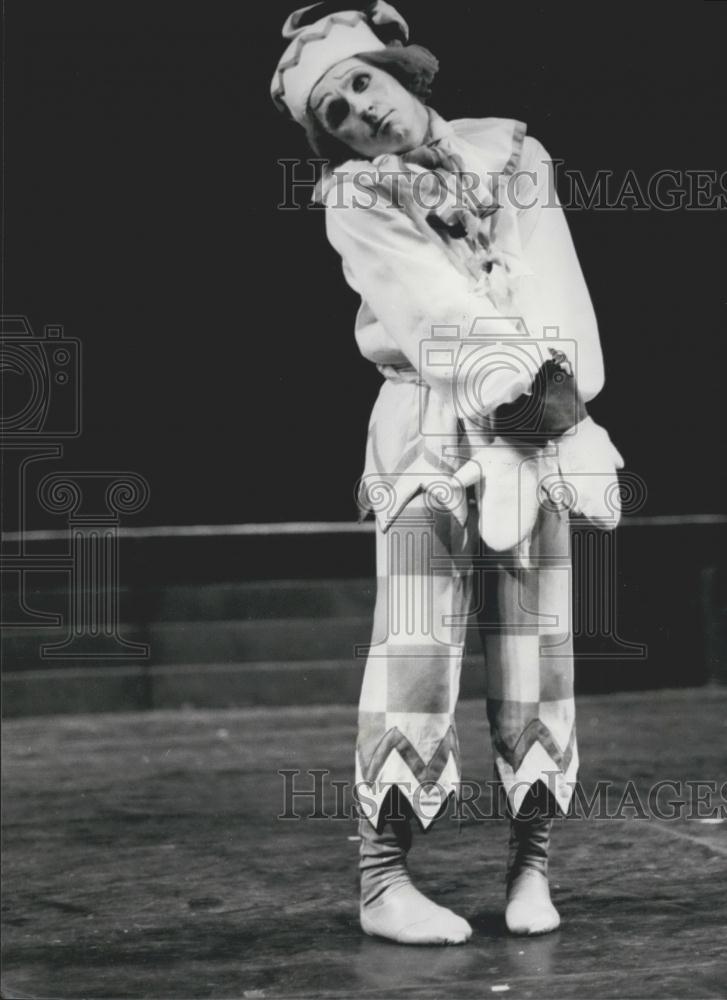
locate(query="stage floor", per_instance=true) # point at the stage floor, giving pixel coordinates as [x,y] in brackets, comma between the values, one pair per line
[143,857]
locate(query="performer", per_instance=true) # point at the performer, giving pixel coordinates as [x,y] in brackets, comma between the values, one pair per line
[475,311]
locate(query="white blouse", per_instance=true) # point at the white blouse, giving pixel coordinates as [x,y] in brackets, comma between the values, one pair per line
[424,315]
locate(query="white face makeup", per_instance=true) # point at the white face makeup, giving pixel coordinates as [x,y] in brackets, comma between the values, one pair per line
[368,110]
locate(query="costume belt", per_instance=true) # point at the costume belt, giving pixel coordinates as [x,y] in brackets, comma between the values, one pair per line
[403,372]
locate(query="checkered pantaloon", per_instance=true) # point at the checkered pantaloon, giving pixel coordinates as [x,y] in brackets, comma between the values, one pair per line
[436,580]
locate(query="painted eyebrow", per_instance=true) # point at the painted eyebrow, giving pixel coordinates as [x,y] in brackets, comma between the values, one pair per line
[351,69]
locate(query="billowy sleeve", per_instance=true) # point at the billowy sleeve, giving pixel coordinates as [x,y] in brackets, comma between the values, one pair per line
[557,296]
[419,296]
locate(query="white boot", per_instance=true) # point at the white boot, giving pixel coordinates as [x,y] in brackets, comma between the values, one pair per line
[405,915]
[529,908]
[391,907]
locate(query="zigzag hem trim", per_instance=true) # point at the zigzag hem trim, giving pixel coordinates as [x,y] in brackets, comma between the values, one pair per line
[422,772]
[538,765]
[427,798]
[537,732]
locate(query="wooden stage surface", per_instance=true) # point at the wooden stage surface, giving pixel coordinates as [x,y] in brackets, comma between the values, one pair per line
[143,858]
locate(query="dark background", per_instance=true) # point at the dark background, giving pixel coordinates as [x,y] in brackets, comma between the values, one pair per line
[141,193]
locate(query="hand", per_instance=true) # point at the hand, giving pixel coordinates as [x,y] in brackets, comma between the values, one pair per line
[551,407]
[587,477]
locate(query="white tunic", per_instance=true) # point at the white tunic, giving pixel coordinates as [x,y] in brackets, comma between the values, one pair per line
[424,311]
